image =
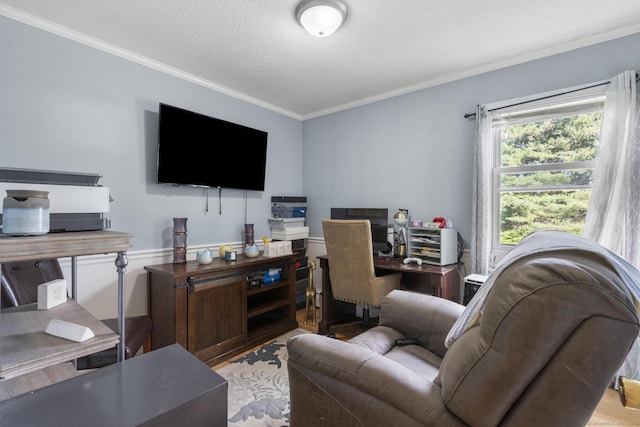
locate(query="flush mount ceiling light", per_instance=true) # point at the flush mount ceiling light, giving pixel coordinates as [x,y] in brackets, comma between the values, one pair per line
[321,17]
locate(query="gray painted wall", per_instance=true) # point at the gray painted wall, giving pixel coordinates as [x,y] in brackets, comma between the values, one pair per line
[415,151]
[66,106]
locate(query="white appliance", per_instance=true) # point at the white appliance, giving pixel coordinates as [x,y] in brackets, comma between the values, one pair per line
[471,285]
[76,202]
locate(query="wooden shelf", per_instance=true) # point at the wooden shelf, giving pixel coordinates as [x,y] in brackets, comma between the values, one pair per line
[264,330]
[267,287]
[60,245]
[26,351]
[265,305]
[37,379]
[26,348]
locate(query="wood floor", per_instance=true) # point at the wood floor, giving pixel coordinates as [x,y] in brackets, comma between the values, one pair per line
[609,412]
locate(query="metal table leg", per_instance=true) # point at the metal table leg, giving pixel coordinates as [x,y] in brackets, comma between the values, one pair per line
[74,278]
[121,265]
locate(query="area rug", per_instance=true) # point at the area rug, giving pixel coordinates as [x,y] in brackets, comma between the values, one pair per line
[259,385]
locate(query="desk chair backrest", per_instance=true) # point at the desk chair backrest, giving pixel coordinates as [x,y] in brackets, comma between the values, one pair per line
[352,272]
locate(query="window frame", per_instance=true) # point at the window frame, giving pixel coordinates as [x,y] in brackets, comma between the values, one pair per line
[577,100]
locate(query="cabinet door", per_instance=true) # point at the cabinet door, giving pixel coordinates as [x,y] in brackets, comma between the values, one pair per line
[216,309]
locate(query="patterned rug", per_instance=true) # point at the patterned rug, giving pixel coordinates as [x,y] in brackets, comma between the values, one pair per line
[259,385]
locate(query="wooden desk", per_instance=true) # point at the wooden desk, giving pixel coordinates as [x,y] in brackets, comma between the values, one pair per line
[440,281]
[443,282]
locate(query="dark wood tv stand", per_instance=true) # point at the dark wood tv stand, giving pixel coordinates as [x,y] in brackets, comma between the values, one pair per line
[209,310]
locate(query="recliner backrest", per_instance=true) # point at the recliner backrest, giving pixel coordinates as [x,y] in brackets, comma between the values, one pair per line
[554,330]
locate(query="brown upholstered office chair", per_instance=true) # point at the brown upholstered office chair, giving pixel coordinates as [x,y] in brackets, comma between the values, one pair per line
[20,282]
[352,273]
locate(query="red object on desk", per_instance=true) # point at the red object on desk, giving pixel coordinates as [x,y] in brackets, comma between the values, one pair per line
[440,220]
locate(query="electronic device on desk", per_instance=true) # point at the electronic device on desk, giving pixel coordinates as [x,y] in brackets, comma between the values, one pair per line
[272,275]
[255,280]
[379,219]
[417,261]
[259,279]
[76,201]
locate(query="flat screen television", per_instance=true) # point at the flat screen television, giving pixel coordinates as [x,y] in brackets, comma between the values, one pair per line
[198,150]
[379,219]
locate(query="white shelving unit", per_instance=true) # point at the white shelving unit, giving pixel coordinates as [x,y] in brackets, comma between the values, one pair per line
[437,246]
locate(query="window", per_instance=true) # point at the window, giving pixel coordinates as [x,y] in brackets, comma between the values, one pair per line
[542,159]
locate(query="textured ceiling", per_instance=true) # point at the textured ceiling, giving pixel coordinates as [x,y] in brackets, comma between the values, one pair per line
[255,50]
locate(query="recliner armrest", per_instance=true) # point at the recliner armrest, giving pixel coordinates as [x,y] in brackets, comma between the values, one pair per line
[425,318]
[354,376]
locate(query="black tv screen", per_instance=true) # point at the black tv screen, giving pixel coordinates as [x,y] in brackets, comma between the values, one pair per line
[199,150]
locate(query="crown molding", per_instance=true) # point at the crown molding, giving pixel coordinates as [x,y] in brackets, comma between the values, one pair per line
[84,39]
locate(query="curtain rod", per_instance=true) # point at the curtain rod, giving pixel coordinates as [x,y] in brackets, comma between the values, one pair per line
[470,115]
[473,115]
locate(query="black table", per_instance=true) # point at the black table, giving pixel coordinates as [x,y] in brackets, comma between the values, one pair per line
[165,387]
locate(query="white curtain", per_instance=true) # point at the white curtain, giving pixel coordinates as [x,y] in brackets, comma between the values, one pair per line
[481,201]
[613,217]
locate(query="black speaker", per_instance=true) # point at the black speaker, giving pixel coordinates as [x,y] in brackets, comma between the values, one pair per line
[470,290]
[471,285]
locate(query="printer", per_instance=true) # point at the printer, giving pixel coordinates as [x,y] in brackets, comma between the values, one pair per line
[76,201]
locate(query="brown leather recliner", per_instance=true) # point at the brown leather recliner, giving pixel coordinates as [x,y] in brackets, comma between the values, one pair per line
[20,282]
[554,329]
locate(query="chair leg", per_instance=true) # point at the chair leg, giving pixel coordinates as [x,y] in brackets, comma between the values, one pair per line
[365,318]
[361,325]
[146,346]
